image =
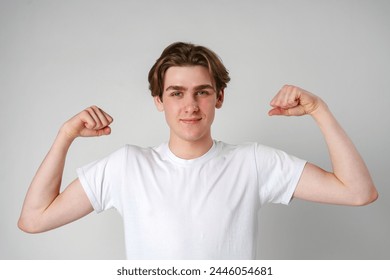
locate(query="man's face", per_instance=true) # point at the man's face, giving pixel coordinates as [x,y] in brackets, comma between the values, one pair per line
[189,102]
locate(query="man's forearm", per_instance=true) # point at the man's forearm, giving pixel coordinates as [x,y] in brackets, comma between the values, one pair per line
[348,165]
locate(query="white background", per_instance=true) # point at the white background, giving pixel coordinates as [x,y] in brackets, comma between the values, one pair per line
[58,57]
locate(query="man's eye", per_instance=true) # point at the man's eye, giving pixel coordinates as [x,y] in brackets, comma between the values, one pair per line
[176,93]
[202,92]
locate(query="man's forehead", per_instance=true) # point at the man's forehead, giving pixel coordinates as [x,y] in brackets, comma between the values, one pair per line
[188,76]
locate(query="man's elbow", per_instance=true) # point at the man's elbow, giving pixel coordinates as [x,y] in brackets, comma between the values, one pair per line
[367,198]
[28,225]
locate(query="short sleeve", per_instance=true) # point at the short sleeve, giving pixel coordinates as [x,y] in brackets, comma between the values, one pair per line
[101,178]
[278,174]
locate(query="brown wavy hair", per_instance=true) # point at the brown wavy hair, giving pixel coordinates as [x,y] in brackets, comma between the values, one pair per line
[187,54]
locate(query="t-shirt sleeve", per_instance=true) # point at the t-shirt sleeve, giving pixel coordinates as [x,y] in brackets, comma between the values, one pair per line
[278,174]
[100,178]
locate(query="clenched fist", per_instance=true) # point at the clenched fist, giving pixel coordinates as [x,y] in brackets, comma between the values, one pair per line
[92,121]
[294,101]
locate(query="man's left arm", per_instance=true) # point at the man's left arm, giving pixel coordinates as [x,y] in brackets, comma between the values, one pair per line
[350,182]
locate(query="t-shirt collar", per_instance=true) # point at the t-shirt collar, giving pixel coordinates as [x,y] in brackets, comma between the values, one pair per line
[210,153]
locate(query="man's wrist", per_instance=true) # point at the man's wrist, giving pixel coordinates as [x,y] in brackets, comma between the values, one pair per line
[65,137]
[322,109]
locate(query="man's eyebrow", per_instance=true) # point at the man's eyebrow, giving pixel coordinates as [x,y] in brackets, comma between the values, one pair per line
[175,88]
[200,87]
[206,86]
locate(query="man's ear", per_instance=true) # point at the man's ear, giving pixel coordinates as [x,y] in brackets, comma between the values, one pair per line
[159,104]
[220,99]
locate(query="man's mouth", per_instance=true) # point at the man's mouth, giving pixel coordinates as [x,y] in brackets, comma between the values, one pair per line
[190,120]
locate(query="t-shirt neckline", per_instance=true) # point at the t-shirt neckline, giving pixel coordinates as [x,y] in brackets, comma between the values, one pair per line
[203,158]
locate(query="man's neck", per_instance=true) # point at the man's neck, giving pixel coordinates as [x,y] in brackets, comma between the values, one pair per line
[190,149]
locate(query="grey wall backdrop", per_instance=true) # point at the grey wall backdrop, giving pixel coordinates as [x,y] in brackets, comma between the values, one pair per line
[58,57]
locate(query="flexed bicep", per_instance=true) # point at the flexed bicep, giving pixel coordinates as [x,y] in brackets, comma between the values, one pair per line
[70,205]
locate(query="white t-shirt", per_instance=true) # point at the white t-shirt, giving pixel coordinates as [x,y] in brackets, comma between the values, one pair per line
[203,208]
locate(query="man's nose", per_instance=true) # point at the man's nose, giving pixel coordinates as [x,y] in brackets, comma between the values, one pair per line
[191,105]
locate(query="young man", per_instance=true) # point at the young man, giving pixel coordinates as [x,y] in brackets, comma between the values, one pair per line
[193,197]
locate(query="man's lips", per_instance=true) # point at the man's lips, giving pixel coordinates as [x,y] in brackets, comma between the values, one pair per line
[190,120]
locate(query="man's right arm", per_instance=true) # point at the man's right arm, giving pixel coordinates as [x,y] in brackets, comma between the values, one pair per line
[45,207]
